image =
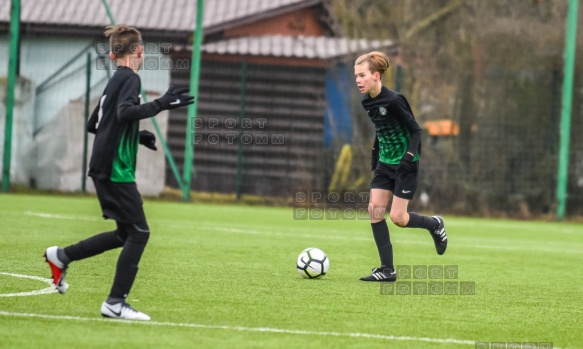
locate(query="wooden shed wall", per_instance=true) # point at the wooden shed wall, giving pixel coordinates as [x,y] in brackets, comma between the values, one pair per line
[282,128]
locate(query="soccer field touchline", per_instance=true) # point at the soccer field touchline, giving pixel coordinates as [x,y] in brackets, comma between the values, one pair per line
[571,249]
[243,328]
[576,249]
[538,228]
[60,216]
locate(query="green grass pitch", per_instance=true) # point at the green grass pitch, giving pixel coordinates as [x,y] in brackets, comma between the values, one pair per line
[223,276]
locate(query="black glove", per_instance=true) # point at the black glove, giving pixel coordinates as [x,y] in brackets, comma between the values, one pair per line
[148,139]
[173,99]
[375,154]
[406,166]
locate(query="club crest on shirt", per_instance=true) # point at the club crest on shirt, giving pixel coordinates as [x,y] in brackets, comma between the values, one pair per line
[382,110]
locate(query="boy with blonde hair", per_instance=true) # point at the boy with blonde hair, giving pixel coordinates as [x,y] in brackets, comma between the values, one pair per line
[395,162]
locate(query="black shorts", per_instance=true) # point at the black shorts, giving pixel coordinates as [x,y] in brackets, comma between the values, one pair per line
[120,201]
[385,177]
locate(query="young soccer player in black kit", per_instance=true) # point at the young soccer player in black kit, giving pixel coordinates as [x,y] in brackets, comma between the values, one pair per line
[395,162]
[115,123]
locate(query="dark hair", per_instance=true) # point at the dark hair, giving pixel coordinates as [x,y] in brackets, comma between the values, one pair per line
[377,61]
[123,39]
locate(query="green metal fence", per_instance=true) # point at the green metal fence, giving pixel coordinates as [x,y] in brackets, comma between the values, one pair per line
[512,156]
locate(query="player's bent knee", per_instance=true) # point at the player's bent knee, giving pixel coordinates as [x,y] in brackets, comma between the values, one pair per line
[138,232]
[400,220]
[139,237]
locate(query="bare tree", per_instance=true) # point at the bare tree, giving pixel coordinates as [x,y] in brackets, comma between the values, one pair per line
[493,67]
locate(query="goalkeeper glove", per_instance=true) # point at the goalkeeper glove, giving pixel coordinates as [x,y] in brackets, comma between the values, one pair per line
[173,99]
[406,166]
[148,139]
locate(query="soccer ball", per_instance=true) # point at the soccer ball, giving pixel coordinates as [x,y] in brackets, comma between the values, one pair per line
[312,263]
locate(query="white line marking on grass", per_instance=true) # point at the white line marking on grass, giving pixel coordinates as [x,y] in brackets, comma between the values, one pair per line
[246,329]
[255,232]
[60,216]
[50,289]
[471,242]
[399,239]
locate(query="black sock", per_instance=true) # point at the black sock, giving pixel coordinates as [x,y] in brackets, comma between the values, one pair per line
[112,300]
[93,246]
[380,231]
[127,266]
[62,256]
[419,221]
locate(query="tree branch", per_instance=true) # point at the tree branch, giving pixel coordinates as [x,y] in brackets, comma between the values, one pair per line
[430,20]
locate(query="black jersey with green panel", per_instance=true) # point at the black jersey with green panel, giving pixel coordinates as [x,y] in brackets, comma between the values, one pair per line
[115,122]
[396,129]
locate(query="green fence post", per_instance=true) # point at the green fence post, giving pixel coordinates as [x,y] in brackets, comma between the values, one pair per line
[190,122]
[154,122]
[398,78]
[108,12]
[86,114]
[10,87]
[239,179]
[569,72]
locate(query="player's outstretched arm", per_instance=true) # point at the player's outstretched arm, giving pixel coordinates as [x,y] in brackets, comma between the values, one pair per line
[129,108]
[173,99]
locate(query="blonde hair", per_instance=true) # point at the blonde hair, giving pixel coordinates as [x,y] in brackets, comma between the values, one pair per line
[123,39]
[377,61]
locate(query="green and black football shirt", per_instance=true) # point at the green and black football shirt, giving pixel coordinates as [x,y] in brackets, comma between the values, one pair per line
[115,122]
[396,129]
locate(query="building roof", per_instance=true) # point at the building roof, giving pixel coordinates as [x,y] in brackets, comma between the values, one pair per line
[158,15]
[295,46]
[162,18]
